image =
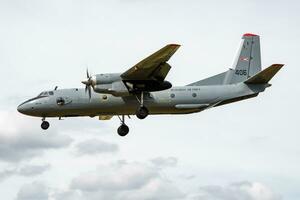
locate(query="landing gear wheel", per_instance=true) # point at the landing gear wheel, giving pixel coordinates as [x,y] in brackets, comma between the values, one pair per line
[123,130]
[45,125]
[142,112]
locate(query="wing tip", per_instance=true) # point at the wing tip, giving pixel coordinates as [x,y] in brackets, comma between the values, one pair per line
[174,45]
[278,65]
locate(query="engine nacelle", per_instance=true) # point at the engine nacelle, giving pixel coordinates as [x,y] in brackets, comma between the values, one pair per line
[116,88]
[106,78]
[113,84]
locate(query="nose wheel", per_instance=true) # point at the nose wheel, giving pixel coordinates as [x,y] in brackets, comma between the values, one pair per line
[142,112]
[45,124]
[123,130]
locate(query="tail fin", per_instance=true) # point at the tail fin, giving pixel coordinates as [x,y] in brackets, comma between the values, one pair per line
[247,62]
[264,76]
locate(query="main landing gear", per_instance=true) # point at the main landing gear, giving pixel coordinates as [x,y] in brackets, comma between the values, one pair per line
[123,129]
[45,124]
[142,112]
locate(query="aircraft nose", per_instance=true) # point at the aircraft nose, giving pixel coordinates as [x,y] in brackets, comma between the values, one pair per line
[23,108]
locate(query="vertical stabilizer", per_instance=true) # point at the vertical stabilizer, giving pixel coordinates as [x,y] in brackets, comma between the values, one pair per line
[247,62]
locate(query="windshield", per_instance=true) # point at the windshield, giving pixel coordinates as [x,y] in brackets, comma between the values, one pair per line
[45,94]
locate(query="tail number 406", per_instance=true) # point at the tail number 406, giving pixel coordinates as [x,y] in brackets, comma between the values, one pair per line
[241,72]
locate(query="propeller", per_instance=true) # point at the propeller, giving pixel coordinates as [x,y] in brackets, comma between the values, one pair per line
[88,83]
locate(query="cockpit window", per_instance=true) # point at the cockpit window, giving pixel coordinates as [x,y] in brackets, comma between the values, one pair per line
[42,94]
[45,94]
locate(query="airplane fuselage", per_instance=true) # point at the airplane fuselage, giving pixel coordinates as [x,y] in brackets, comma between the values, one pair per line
[177,100]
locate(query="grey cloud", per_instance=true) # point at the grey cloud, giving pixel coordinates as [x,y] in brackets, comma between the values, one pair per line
[33,191]
[156,188]
[238,191]
[24,145]
[125,180]
[68,195]
[94,146]
[22,139]
[187,176]
[164,161]
[27,170]
[119,176]
[7,173]
[32,170]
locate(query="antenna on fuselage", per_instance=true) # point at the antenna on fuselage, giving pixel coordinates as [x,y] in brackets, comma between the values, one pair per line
[55,87]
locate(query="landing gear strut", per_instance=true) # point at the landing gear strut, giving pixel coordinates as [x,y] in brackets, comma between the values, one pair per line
[123,129]
[141,112]
[45,124]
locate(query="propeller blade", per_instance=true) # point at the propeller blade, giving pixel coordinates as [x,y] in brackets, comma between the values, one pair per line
[88,84]
[90,93]
[87,73]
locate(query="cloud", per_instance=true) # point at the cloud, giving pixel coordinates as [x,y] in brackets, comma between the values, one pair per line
[120,176]
[95,146]
[125,180]
[33,191]
[27,170]
[20,141]
[33,170]
[24,145]
[238,191]
[155,188]
[6,173]
[67,195]
[119,180]
[164,162]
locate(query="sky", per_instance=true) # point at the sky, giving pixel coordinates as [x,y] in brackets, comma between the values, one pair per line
[247,151]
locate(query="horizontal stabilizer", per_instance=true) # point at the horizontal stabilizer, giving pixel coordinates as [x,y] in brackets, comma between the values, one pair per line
[264,76]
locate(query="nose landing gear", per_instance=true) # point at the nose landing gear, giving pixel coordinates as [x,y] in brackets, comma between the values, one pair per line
[45,124]
[123,130]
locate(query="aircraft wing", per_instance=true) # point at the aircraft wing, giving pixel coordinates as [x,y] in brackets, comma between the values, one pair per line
[152,68]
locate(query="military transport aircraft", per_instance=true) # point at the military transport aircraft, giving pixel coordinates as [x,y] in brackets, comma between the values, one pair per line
[143,90]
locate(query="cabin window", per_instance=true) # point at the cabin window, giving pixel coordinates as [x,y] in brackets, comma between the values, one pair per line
[104,97]
[172,95]
[194,95]
[51,93]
